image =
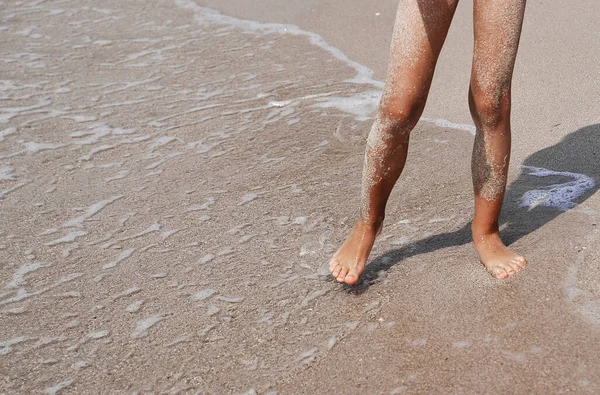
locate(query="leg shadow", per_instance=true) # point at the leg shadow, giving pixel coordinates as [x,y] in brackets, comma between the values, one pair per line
[552,180]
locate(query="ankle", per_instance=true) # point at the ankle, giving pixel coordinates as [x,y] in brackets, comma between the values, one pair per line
[480,232]
[372,222]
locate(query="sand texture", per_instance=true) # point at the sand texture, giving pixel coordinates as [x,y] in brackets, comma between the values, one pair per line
[173,183]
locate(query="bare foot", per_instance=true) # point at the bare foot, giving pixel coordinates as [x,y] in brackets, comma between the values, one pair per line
[498,260]
[350,260]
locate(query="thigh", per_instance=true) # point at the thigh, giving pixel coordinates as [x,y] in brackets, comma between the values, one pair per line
[419,33]
[497,30]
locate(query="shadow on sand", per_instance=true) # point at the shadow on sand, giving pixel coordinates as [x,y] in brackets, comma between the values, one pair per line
[578,152]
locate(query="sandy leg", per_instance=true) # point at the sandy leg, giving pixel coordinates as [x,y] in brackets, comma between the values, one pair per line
[497,28]
[419,33]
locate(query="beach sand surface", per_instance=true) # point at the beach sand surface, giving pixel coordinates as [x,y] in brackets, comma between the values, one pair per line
[174,180]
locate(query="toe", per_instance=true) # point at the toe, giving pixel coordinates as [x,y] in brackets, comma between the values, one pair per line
[499,272]
[342,274]
[509,269]
[504,269]
[515,266]
[335,271]
[521,262]
[351,279]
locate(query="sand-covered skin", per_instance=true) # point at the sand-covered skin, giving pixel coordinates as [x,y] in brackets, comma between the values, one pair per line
[172,187]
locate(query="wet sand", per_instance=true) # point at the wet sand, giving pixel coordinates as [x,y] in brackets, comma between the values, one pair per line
[173,182]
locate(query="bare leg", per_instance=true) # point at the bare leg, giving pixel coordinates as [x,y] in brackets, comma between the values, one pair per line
[497,25]
[419,33]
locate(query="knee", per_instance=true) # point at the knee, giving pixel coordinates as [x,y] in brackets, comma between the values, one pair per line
[401,113]
[489,107]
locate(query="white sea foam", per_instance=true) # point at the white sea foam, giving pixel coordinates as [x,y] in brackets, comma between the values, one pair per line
[69,238]
[205,206]
[230,299]
[166,234]
[206,16]
[19,276]
[558,196]
[58,387]
[206,258]
[97,335]
[95,150]
[80,365]
[308,357]
[450,125]
[313,295]
[5,192]
[23,294]
[248,198]
[6,114]
[94,133]
[81,118]
[583,301]
[90,211]
[362,105]
[6,346]
[102,166]
[152,228]
[141,329]
[6,174]
[32,147]
[163,140]
[119,258]
[204,294]
[135,306]
[120,175]
[7,132]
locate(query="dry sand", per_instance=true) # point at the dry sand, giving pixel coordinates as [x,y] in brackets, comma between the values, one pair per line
[173,182]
